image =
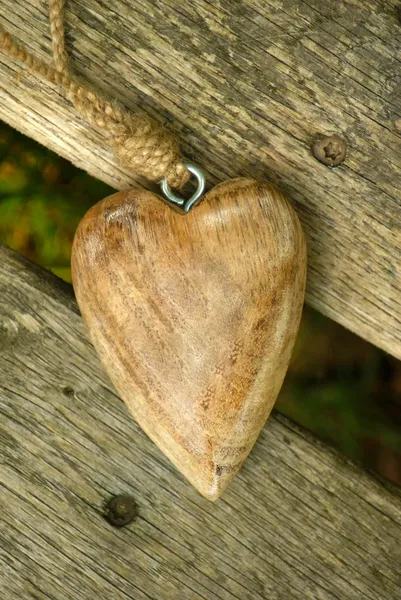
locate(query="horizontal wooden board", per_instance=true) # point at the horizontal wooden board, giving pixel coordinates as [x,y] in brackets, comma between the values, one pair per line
[247,86]
[299,522]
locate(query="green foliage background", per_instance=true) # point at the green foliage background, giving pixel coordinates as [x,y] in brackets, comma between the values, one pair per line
[342,388]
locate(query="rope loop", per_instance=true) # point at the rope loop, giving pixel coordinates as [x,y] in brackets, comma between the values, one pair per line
[139,142]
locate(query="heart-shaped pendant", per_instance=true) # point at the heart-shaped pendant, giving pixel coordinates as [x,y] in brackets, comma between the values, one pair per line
[195,316]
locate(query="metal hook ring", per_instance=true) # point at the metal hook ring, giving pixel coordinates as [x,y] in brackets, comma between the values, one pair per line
[184,206]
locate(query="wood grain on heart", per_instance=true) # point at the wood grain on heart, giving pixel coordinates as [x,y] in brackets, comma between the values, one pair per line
[195,316]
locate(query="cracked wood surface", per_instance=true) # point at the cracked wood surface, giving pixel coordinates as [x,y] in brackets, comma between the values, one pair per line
[299,522]
[247,86]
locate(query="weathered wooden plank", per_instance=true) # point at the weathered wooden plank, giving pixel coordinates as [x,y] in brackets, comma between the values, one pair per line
[247,86]
[299,522]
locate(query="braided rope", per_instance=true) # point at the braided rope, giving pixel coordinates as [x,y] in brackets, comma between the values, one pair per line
[56,18]
[139,141]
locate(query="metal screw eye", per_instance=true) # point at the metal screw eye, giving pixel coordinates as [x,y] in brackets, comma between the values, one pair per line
[179,204]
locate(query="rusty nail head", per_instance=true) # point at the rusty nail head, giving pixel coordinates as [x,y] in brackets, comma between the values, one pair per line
[121,510]
[330,150]
[68,391]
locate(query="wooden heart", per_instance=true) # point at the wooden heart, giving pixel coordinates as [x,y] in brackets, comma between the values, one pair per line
[195,316]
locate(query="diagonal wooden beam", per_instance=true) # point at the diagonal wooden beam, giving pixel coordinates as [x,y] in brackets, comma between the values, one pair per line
[247,86]
[299,522]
